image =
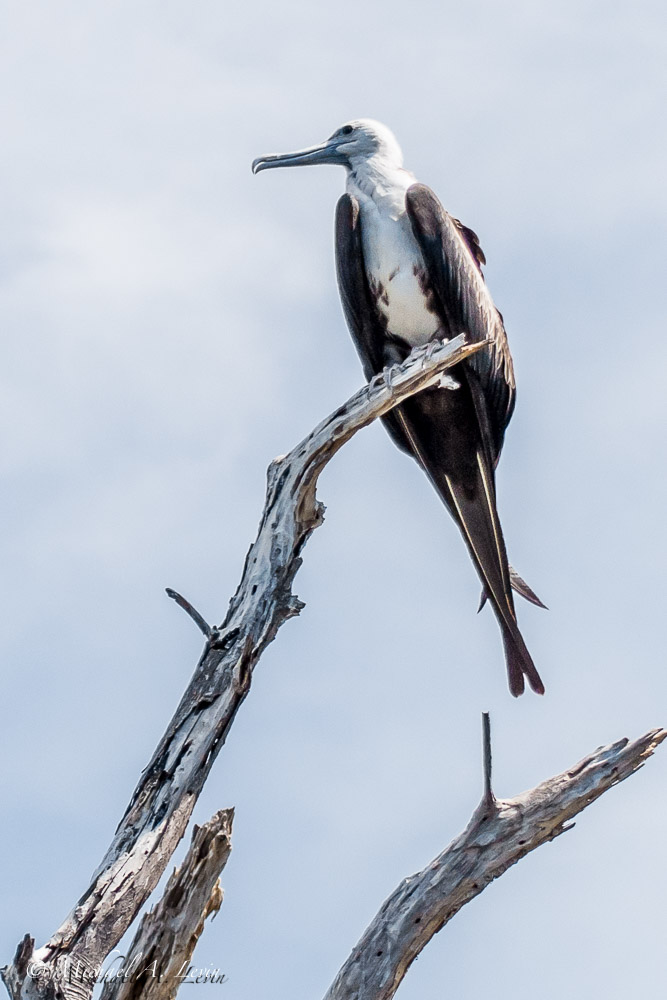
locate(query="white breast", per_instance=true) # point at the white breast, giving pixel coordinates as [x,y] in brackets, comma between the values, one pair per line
[393,261]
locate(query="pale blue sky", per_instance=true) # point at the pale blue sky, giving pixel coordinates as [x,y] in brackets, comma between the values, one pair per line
[171,323]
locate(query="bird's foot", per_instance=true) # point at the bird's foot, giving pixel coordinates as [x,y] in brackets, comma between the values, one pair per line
[384,379]
[390,373]
[431,348]
[439,338]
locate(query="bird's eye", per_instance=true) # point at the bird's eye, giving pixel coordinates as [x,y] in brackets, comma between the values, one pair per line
[347,130]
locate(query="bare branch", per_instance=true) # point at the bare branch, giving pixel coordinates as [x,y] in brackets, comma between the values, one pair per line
[500,833]
[158,959]
[198,619]
[160,808]
[489,797]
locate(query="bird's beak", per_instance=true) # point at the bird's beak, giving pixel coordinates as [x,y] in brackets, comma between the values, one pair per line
[326,152]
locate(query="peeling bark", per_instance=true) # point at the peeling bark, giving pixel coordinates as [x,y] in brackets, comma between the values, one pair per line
[500,833]
[158,958]
[161,806]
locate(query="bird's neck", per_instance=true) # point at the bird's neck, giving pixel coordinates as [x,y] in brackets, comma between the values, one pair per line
[381,180]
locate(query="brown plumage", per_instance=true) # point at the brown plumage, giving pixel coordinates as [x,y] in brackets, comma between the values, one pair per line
[456,436]
[408,272]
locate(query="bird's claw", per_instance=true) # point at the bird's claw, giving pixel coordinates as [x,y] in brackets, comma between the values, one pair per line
[389,376]
[377,382]
[431,348]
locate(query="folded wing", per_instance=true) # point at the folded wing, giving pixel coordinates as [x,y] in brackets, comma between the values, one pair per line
[455,435]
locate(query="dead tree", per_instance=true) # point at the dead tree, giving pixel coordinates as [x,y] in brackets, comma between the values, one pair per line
[499,834]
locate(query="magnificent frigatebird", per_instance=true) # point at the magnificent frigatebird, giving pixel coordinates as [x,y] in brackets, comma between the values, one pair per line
[408,273]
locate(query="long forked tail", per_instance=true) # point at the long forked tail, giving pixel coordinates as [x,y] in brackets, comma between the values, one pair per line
[462,476]
[478,519]
[519,662]
[520,586]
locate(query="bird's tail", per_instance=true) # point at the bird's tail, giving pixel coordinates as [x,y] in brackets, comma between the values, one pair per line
[519,662]
[475,511]
[521,587]
[467,487]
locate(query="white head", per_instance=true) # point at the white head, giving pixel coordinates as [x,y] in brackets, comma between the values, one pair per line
[353,144]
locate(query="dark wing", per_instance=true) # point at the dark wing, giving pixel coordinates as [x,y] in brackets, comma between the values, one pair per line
[444,432]
[453,259]
[365,324]
[471,240]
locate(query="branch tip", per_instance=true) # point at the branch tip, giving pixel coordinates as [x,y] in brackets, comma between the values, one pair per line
[489,797]
[198,619]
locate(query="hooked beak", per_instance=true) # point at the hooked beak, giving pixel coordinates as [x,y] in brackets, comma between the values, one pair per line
[326,152]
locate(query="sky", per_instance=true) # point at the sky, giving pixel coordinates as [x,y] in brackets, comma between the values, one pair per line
[171,323]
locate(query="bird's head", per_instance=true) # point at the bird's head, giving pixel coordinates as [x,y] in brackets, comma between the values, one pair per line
[352,144]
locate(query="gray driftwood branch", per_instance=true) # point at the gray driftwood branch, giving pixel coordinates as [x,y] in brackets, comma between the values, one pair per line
[158,960]
[500,833]
[160,808]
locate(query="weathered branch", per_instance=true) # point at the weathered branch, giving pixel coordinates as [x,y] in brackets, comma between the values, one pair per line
[158,959]
[198,619]
[158,813]
[487,759]
[500,833]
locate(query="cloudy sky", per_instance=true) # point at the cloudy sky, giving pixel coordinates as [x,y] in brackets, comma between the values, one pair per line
[170,323]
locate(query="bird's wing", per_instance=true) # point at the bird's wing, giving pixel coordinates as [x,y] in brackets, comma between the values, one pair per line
[365,323]
[445,435]
[443,431]
[471,240]
[453,259]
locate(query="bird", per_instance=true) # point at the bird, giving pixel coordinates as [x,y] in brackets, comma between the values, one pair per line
[409,273]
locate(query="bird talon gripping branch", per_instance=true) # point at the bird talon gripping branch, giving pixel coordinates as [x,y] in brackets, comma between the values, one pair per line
[390,373]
